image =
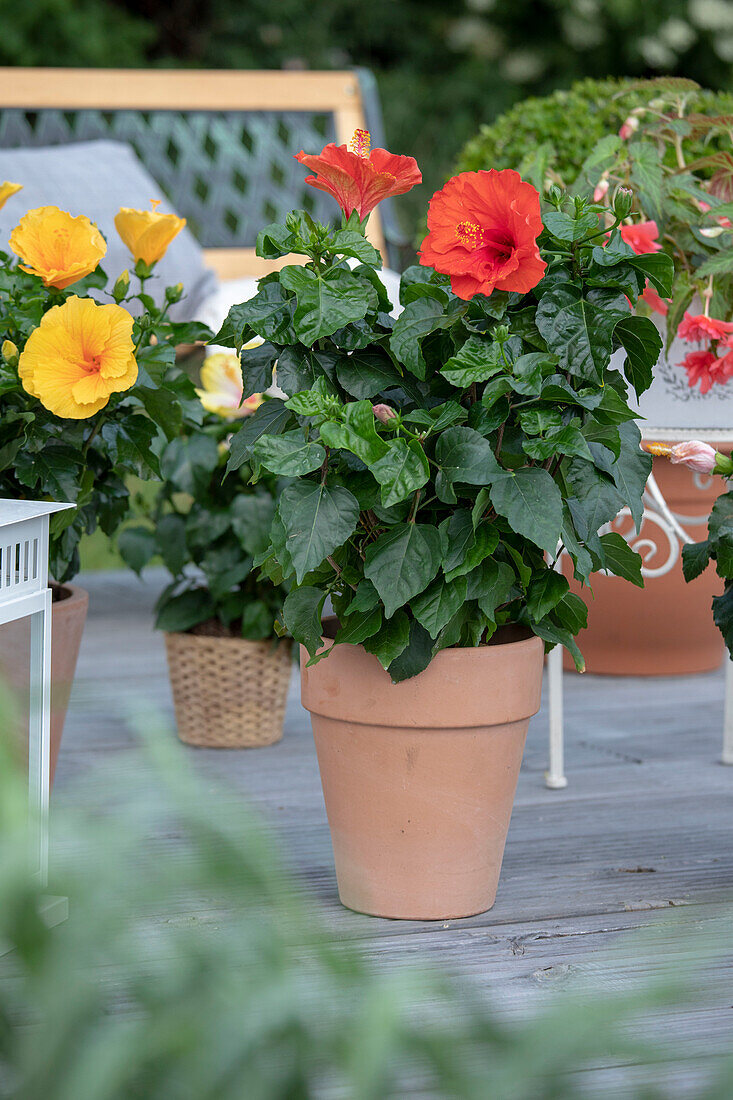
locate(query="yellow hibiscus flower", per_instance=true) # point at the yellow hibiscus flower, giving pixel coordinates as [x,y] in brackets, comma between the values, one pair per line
[80,354]
[221,378]
[146,232]
[58,247]
[7,189]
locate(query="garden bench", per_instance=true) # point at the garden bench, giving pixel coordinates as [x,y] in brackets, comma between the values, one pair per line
[220,144]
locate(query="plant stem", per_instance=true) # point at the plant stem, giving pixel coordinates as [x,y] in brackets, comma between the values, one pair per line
[415,506]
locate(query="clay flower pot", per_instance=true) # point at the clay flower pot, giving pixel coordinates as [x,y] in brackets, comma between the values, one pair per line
[665,628]
[68,617]
[419,777]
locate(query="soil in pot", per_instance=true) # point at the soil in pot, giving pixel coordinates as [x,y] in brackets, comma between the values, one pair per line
[228,691]
[70,605]
[665,628]
[419,777]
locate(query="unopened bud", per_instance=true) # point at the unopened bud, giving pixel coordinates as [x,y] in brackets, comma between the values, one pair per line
[630,126]
[384,413]
[121,287]
[10,353]
[601,190]
[174,293]
[623,200]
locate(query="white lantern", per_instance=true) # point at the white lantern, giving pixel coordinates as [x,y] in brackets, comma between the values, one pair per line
[24,591]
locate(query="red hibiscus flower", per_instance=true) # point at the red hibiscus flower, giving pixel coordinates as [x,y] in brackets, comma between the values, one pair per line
[697,328]
[482,231]
[653,300]
[359,178]
[705,367]
[642,237]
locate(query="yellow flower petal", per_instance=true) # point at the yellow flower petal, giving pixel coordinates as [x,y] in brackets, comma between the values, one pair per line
[80,354]
[146,232]
[57,247]
[7,189]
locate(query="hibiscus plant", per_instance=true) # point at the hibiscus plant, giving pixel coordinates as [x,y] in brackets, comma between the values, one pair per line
[718,546]
[443,459]
[677,155]
[208,528]
[90,393]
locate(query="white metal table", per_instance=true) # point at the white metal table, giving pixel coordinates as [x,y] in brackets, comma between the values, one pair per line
[24,591]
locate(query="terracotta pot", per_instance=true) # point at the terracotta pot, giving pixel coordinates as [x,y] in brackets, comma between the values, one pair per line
[665,628]
[419,777]
[67,626]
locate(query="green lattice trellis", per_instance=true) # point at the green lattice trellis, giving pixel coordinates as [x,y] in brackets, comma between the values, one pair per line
[227,172]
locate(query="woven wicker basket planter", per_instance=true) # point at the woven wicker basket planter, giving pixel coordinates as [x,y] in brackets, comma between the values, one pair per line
[228,693]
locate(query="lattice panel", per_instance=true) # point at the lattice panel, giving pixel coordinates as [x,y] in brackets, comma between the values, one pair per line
[228,173]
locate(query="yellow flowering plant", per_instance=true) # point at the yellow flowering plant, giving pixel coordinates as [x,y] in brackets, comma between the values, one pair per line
[210,527]
[91,391]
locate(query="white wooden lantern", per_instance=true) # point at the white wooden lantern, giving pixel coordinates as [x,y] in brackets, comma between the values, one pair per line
[24,591]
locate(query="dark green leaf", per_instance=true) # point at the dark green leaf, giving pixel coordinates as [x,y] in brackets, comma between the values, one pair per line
[289,454]
[402,562]
[415,657]
[327,300]
[302,613]
[695,559]
[137,545]
[317,520]
[620,559]
[271,418]
[401,471]
[434,607]
[532,503]
[641,340]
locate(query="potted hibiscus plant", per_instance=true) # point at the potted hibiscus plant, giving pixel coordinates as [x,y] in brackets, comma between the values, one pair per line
[440,463]
[230,673]
[89,393]
[670,141]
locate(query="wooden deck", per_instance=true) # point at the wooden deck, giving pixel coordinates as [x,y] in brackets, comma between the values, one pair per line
[641,836]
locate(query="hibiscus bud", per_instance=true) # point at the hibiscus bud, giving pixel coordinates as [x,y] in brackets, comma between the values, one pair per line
[384,413]
[696,455]
[622,202]
[121,287]
[174,293]
[10,353]
[630,126]
[601,189]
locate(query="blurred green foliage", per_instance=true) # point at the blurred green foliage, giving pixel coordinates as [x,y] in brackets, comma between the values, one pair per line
[443,69]
[192,968]
[558,132]
[72,32]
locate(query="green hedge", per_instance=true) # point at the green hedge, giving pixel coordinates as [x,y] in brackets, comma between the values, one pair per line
[568,123]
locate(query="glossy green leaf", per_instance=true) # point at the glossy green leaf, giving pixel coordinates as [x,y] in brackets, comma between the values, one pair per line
[402,562]
[317,520]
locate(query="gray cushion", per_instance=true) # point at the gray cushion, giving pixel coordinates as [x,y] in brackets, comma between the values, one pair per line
[96,178]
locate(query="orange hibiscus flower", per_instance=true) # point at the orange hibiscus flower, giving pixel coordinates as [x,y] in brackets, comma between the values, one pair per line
[482,231]
[359,178]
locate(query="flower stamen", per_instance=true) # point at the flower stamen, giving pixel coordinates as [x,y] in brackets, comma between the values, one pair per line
[361,144]
[469,233]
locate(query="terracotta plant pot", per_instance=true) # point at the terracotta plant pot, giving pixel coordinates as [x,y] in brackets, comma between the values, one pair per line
[419,777]
[665,628]
[67,626]
[228,693]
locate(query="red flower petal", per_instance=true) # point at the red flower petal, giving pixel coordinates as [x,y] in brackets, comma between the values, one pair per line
[360,182]
[482,231]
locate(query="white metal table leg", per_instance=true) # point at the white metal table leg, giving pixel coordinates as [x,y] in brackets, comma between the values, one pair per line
[39,733]
[555,775]
[727,757]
